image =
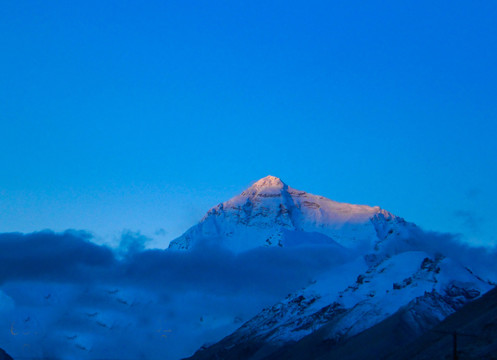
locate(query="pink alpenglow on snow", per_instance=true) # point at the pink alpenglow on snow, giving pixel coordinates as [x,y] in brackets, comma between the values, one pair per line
[263,214]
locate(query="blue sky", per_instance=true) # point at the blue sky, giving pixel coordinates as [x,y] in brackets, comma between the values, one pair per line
[123,115]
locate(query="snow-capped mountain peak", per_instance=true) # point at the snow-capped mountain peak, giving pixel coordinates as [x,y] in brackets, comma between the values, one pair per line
[266,212]
[268,182]
[267,187]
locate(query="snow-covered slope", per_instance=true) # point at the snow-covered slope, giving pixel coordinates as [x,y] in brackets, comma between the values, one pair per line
[265,213]
[375,294]
[353,298]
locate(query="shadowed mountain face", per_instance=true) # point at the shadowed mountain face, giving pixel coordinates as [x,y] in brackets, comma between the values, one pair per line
[476,328]
[4,355]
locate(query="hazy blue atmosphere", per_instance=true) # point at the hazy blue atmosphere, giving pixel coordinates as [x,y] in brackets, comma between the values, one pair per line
[122,115]
[123,122]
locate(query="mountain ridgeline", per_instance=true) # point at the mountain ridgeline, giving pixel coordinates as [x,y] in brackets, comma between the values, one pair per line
[267,212]
[396,276]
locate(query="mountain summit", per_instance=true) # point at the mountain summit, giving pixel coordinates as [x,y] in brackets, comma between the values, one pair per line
[269,182]
[270,212]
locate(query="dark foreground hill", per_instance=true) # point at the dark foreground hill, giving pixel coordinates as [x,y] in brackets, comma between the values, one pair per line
[4,355]
[476,328]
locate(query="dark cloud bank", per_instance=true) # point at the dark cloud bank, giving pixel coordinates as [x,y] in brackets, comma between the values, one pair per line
[67,297]
[63,296]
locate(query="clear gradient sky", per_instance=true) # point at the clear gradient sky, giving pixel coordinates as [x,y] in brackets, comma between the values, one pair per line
[142,115]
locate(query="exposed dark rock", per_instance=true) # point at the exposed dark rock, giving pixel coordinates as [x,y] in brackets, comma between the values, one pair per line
[4,355]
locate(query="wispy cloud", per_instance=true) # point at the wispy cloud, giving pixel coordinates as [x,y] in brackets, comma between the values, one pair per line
[473,193]
[470,219]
